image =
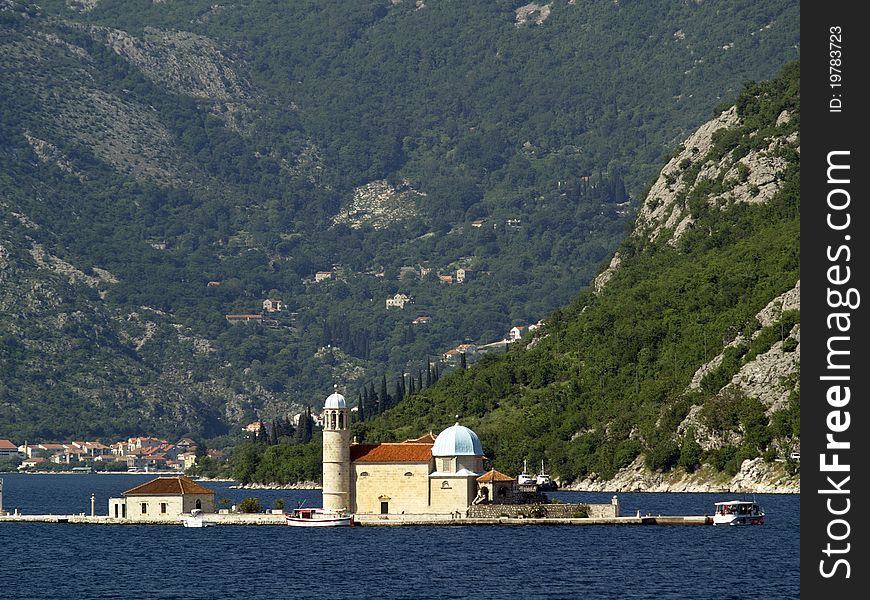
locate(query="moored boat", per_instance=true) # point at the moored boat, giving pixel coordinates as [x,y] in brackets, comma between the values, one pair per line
[524,478]
[738,512]
[196,518]
[544,481]
[318,517]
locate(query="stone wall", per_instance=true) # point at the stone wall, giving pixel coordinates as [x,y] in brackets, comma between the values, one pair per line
[544,510]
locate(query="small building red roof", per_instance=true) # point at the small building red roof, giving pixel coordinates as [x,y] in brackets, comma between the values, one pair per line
[169,486]
[408,452]
[7,445]
[494,475]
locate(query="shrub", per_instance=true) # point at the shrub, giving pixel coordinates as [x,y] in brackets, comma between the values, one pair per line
[250,505]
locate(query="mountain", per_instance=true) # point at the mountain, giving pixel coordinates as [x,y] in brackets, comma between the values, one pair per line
[166,164]
[679,367]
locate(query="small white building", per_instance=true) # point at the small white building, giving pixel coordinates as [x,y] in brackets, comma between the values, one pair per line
[164,498]
[398,301]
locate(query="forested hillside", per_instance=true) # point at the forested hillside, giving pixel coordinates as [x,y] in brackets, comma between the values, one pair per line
[165,164]
[687,351]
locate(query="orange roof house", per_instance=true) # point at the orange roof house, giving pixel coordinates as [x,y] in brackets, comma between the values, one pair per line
[162,499]
[494,486]
[163,486]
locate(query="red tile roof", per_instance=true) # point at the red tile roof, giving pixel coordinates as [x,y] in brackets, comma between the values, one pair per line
[168,486]
[494,475]
[429,438]
[7,445]
[391,452]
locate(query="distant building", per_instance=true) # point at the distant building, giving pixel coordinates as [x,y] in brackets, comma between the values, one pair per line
[273,305]
[164,498]
[7,448]
[213,284]
[446,278]
[478,223]
[516,333]
[29,463]
[244,318]
[454,354]
[398,301]
[422,320]
[256,428]
[463,274]
[322,276]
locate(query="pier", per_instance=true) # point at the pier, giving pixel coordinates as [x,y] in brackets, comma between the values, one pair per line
[368,520]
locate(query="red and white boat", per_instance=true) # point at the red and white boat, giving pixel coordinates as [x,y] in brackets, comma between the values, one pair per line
[318,517]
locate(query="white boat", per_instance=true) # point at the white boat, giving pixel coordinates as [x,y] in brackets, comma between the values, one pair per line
[524,478]
[545,483]
[738,512]
[318,517]
[196,518]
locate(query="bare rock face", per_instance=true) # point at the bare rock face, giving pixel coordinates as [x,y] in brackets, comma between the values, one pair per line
[379,204]
[755,476]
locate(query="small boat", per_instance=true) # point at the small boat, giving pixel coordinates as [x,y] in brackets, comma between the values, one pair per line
[524,478]
[545,483]
[318,517]
[738,512]
[196,518]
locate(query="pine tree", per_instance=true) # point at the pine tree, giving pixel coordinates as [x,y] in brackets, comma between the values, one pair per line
[462,362]
[428,372]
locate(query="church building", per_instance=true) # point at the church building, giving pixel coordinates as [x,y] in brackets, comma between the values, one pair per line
[428,475]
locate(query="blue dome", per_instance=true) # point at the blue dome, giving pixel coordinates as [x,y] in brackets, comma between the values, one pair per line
[335,400]
[457,441]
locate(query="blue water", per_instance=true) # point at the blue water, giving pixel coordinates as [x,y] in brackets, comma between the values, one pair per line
[63,561]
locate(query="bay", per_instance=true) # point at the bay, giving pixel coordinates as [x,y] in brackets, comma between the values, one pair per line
[65,561]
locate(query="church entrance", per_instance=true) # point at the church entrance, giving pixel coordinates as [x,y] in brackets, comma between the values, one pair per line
[385,508]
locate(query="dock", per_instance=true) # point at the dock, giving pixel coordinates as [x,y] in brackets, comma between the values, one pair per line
[368,520]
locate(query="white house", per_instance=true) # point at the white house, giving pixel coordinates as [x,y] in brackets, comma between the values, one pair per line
[398,301]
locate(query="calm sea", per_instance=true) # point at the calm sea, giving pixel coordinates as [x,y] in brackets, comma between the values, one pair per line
[73,562]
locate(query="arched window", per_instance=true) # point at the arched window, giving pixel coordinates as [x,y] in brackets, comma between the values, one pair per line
[445,485]
[341,420]
[409,474]
[199,504]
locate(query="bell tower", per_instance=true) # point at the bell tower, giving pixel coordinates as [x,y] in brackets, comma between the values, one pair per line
[336,453]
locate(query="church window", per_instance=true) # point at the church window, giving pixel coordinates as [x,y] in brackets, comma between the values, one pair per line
[364,474]
[446,485]
[144,508]
[341,420]
[199,504]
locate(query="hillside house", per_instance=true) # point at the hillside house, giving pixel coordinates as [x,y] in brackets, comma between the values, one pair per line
[454,354]
[398,301]
[422,320]
[322,276]
[478,223]
[255,428]
[448,279]
[463,274]
[272,305]
[516,333]
[212,284]
[164,498]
